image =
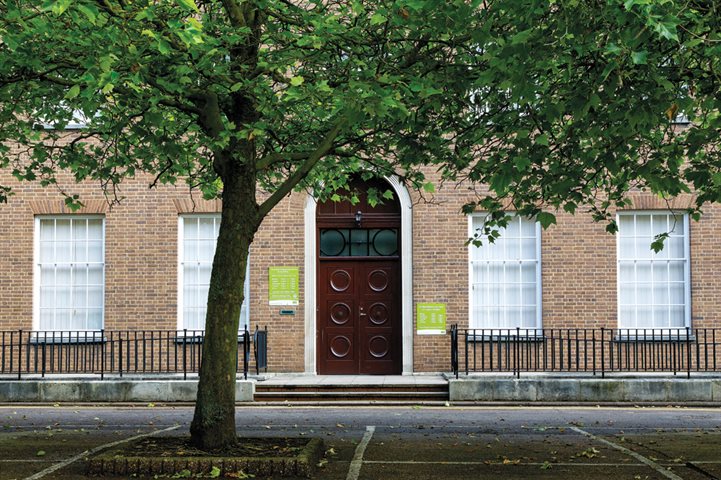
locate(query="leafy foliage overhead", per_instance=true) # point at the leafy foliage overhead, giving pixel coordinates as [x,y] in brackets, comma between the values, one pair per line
[550,103]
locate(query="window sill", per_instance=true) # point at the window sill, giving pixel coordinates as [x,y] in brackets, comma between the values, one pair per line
[653,338]
[194,338]
[64,339]
[505,338]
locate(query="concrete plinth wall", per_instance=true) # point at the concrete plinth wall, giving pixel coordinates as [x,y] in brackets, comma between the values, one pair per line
[672,390]
[45,391]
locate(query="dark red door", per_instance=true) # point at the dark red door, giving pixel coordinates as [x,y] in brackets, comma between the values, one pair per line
[358,317]
[360,328]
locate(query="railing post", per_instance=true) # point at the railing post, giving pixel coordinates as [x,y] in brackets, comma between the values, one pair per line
[517,353]
[688,352]
[593,340]
[102,354]
[120,354]
[246,351]
[44,355]
[185,357]
[466,342]
[603,353]
[20,352]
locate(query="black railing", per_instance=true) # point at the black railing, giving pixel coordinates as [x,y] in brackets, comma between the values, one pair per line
[576,350]
[117,352]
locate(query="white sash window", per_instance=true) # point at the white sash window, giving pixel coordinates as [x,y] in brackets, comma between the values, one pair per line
[505,277]
[69,273]
[653,288]
[197,236]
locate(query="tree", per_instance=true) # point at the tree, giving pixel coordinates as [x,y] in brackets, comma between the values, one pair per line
[549,103]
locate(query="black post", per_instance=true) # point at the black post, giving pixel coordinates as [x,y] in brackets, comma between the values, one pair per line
[185,357]
[603,354]
[688,352]
[120,354]
[102,354]
[20,352]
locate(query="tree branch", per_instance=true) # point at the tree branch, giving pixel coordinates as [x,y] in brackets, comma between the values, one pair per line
[293,180]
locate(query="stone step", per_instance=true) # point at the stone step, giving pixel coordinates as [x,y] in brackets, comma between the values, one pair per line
[262,387]
[321,393]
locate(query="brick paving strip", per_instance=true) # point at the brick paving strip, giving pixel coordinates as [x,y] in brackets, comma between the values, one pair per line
[637,456]
[97,449]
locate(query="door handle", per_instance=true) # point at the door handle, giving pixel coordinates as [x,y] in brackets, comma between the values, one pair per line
[362,313]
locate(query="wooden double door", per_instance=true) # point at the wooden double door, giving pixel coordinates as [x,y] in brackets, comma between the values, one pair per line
[359,317]
[359,278]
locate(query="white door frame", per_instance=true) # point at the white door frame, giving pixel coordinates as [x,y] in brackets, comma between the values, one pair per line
[406,278]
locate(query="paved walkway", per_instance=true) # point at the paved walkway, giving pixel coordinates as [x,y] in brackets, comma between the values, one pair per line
[404,443]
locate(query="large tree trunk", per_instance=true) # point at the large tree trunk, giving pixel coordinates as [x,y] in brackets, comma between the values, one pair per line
[213,425]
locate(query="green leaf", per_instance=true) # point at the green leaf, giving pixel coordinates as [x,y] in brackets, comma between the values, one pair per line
[521,37]
[40,453]
[73,92]
[429,187]
[60,6]
[639,58]
[188,5]
[377,19]
[90,12]
[214,472]
[297,81]
[542,140]
[546,219]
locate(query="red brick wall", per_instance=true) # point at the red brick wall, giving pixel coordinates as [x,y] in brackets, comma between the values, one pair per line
[578,264]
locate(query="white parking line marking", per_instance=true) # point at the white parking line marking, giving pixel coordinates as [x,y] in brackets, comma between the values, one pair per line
[77,457]
[639,457]
[355,464]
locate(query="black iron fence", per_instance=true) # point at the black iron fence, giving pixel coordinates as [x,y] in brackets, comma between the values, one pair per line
[119,352]
[596,351]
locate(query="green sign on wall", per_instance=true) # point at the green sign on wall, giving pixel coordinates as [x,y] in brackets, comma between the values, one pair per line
[283,285]
[431,318]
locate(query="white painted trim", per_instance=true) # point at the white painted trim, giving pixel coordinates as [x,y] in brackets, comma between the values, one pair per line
[406,204]
[310,286]
[36,274]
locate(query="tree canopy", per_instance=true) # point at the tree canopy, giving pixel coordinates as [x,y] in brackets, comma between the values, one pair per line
[547,104]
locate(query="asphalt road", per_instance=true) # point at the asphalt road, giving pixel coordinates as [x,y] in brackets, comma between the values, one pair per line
[365,443]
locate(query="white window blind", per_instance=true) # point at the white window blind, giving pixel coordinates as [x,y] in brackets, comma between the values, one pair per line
[653,288]
[70,267]
[505,277]
[198,236]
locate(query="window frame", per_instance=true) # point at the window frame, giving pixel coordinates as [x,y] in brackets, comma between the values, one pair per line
[513,331]
[75,333]
[653,331]
[180,287]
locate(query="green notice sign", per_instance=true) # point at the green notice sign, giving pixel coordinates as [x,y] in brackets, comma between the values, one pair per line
[283,285]
[431,318]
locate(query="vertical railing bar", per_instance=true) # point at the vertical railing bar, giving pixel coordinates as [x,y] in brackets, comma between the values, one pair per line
[603,353]
[561,353]
[185,357]
[20,352]
[688,352]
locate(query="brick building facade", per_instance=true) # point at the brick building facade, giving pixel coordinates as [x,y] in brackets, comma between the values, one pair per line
[572,275]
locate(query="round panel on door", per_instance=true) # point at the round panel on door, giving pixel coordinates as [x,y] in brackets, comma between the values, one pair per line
[340,280]
[378,280]
[378,313]
[378,346]
[340,346]
[340,313]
